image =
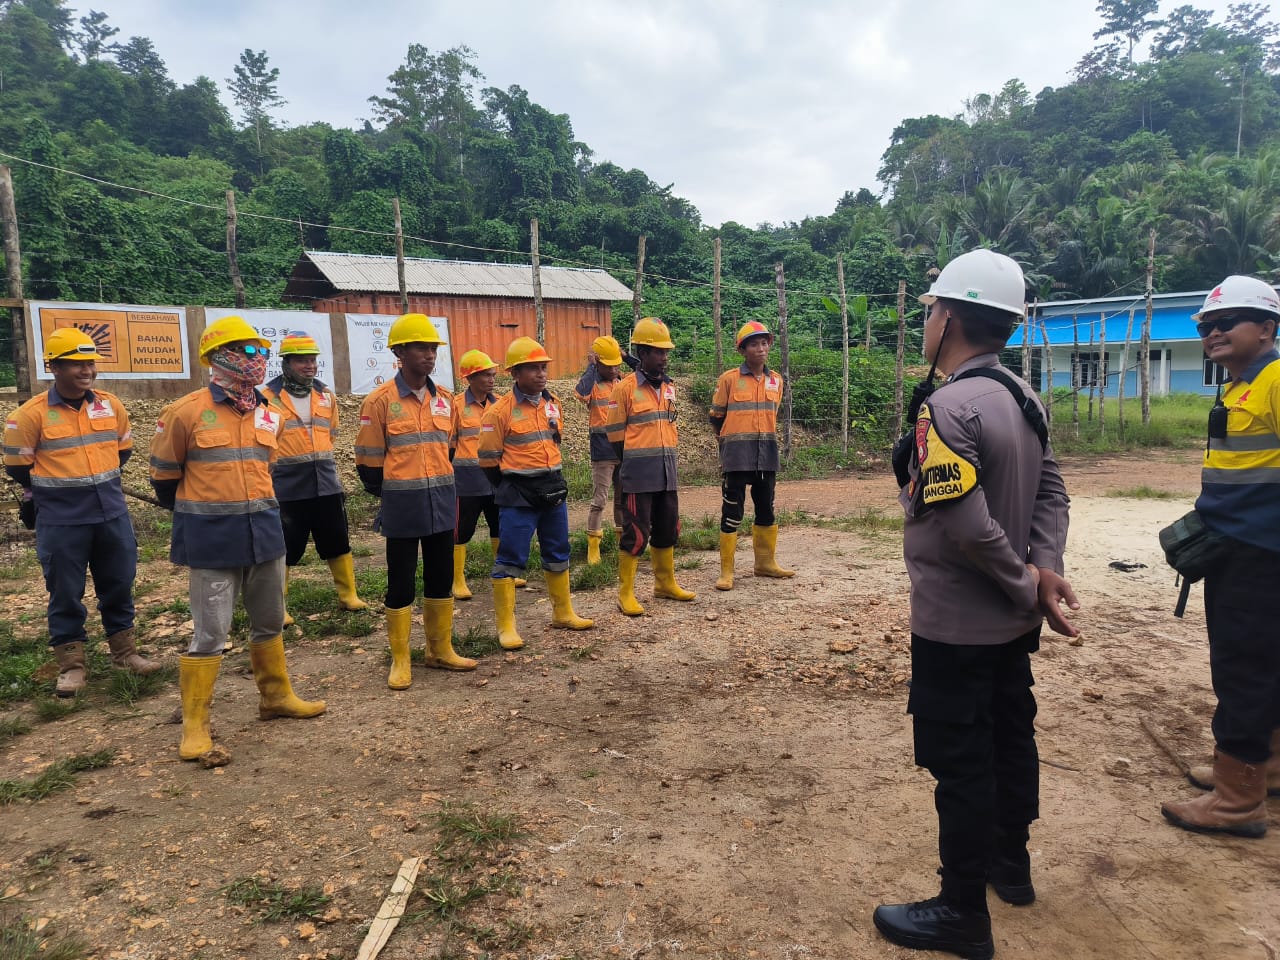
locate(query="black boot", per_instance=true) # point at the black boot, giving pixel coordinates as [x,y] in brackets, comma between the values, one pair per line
[1009,871]
[937,925]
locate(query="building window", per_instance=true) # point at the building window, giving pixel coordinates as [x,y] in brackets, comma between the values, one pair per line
[1089,369]
[1215,374]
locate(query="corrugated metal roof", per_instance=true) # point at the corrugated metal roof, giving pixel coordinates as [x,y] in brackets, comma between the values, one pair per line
[369,274]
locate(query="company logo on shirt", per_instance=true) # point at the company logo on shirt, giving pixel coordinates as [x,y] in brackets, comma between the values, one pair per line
[100,409]
[208,416]
[440,407]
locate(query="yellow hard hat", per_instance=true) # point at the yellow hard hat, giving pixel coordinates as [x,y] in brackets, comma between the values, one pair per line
[414,328]
[299,344]
[752,328]
[70,343]
[652,332]
[475,361]
[607,351]
[231,329]
[525,350]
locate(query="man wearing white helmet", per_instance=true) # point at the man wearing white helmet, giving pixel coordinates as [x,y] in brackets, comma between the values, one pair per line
[1240,500]
[986,526]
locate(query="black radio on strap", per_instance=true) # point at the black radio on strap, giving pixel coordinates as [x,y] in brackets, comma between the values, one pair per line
[1030,411]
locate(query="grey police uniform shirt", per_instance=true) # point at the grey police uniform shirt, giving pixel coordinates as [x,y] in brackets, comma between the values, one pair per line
[983,500]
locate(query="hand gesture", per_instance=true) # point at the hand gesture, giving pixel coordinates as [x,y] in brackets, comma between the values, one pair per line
[1052,591]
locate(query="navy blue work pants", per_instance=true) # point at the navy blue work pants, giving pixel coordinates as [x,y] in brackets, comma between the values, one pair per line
[109,552]
[517,525]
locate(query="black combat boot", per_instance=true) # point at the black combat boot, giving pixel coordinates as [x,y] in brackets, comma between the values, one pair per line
[1009,871]
[937,925]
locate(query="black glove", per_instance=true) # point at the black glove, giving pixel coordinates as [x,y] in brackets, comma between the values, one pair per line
[27,513]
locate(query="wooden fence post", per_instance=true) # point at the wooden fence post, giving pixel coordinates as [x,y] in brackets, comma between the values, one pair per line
[1076,370]
[13,270]
[404,291]
[1102,368]
[844,357]
[781,282]
[1124,367]
[1048,374]
[715,305]
[637,292]
[1144,350]
[538,311]
[902,337]
[232,264]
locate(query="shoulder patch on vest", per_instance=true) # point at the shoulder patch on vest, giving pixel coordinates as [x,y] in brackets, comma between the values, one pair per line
[944,474]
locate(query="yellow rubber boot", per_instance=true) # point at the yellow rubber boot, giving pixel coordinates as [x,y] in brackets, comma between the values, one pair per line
[399,626]
[728,544]
[664,575]
[437,621]
[593,545]
[504,611]
[288,620]
[562,614]
[343,569]
[460,590]
[275,694]
[519,581]
[196,676]
[765,541]
[627,601]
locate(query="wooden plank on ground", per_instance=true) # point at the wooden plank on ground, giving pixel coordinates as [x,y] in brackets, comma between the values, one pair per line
[391,911]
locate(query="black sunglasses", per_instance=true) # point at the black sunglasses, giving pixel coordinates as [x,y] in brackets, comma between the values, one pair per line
[1224,323]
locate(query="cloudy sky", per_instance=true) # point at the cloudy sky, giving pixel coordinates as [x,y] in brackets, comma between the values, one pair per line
[755,110]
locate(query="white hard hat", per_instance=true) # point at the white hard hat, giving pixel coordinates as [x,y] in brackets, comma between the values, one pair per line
[982,276]
[1241,292]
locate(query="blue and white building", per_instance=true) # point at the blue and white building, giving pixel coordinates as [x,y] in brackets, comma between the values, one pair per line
[1178,363]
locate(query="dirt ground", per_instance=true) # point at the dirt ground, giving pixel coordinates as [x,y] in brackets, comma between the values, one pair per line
[727,778]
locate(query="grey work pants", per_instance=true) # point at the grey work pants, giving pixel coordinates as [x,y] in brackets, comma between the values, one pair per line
[604,474]
[213,602]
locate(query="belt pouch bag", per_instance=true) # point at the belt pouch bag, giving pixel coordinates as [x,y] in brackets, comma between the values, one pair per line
[542,491]
[1191,548]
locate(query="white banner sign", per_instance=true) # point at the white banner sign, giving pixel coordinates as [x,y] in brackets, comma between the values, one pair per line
[373,363]
[274,325]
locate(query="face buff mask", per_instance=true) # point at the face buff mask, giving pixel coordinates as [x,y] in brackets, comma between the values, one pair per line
[293,384]
[238,374]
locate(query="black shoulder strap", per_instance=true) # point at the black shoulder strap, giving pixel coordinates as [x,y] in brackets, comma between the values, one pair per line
[1030,412]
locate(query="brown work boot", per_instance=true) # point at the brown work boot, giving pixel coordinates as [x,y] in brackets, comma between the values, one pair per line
[1237,805]
[72,673]
[1202,776]
[125,656]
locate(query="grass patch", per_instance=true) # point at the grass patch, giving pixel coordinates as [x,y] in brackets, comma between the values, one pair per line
[127,688]
[57,776]
[464,829]
[870,521]
[13,727]
[476,642]
[19,940]
[49,709]
[273,901]
[585,652]
[1144,492]
[1177,420]
[314,607]
[19,661]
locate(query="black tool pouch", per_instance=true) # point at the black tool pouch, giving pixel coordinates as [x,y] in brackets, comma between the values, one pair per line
[543,491]
[1192,549]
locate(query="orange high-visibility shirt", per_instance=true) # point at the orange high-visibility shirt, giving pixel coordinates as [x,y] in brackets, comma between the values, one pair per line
[748,406]
[305,467]
[642,417]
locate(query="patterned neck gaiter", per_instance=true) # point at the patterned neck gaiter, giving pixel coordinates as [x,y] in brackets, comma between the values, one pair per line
[294,385]
[238,374]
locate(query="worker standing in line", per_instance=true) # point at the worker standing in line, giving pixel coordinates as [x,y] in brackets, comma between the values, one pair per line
[1240,501]
[475,492]
[65,448]
[744,415]
[304,472]
[595,390]
[520,450]
[402,456]
[211,465]
[984,535]
[642,430]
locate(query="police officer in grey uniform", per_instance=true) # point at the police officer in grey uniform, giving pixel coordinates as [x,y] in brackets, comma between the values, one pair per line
[986,526]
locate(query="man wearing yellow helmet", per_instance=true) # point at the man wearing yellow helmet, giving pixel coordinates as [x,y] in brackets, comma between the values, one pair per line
[520,450]
[642,430]
[211,465]
[475,490]
[402,456]
[744,415]
[305,474]
[595,390]
[65,448]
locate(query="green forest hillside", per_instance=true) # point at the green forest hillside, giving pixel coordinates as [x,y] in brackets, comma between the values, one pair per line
[1070,181]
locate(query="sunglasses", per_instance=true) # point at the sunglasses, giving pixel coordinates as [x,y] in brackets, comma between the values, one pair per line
[1225,323]
[252,350]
